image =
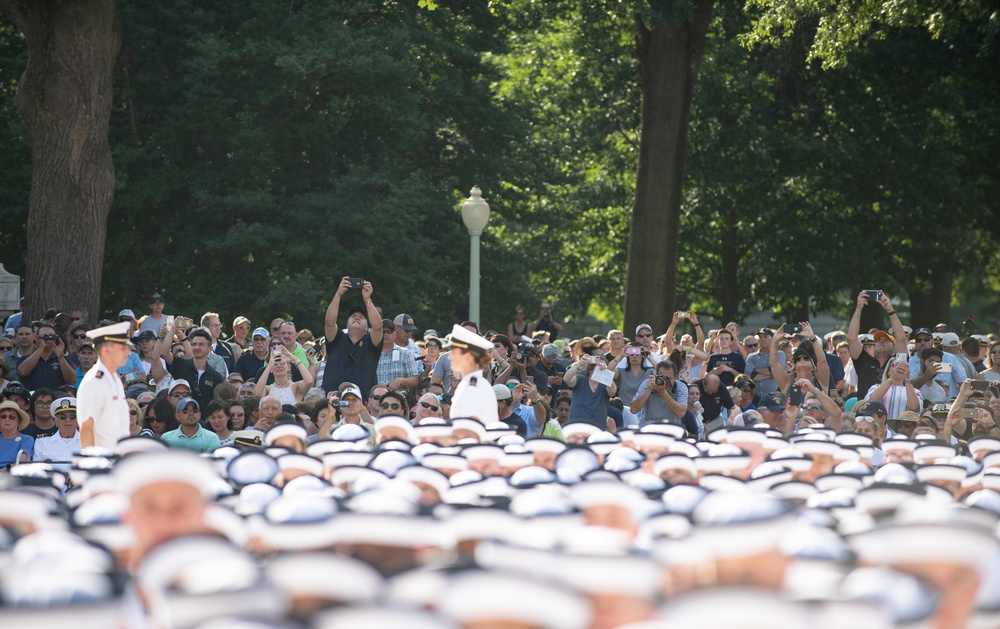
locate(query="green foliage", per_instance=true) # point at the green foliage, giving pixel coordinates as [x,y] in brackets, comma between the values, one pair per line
[265,151]
[15,157]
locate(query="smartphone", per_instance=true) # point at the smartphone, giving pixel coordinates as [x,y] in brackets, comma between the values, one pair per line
[968,413]
[170,321]
[873,295]
[795,395]
[631,350]
[356,282]
[945,367]
[980,385]
[344,403]
[793,328]
[531,379]
[902,357]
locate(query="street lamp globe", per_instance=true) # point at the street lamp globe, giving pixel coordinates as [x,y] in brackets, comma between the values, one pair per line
[475,212]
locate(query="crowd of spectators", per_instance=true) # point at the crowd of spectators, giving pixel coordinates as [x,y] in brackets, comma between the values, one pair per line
[632,480]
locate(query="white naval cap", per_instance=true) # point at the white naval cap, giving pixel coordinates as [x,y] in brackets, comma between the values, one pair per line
[141,470]
[114,333]
[464,339]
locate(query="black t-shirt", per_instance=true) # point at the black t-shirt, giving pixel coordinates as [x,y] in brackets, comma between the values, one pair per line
[734,360]
[202,389]
[517,424]
[248,365]
[869,372]
[548,325]
[37,433]
[713,403]
[46,375]
[347,362]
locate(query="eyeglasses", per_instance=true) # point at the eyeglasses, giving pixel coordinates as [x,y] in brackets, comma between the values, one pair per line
[644,336]
[430,406]
[178,396]
[80,336]
[377,398]
[751,345]
[810,406]
[66,416]
[394,406]
[922,339]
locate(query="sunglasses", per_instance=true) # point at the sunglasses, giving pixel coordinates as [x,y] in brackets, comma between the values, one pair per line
[178,396]
[511,385]
[922,339]
[394,406]
[80,336]
[131,412]
[188,410]
[751,345]
[154,419]
[66,416]
[644,336]
[377,398]
[996,351]
[865,418]
[808,406]
[430,406]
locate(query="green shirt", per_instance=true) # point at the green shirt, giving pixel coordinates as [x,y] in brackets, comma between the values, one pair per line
[201,441]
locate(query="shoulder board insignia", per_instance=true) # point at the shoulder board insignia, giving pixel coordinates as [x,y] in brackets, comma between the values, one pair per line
[473,381]
[99,374]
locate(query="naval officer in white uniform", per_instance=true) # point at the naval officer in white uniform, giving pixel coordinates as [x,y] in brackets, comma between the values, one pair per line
[101,407]
[474,395]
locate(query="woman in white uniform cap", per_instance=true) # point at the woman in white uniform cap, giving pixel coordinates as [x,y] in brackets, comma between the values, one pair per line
[474,395]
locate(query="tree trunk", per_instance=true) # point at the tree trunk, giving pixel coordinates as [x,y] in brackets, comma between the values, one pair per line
[668,57]
[729,293]
[65,100]
[933,305]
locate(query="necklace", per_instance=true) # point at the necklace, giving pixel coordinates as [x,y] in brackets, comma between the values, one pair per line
[281,385]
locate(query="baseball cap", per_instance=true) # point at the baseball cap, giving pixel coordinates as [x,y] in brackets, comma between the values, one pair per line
[882,334]
[501,391]
[431,333]
[185,402]
[950,339]
[551,352]
[868,408]
[404,321]
[766,331]
[262,332]
[920,331]
[352,391]
[179,382]
[388,325]
[156,297]
[146,335]
[354,309]
[126,313]
[643,325]
[772,402]
[743,381]
[240,319]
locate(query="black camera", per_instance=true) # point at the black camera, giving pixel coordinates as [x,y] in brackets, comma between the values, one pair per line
[518,357]
[661,381]
[50,337]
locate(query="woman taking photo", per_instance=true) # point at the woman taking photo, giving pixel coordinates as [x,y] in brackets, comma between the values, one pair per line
[503,351]
[629,378]
[802,364]
[287,391]
[590,397]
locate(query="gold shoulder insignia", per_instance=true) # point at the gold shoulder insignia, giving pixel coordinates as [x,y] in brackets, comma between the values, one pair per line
[99,374]
[473,381]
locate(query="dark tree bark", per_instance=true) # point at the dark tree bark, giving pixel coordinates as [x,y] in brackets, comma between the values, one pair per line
[932,305]
[729,293]
[668,57]
[64,98]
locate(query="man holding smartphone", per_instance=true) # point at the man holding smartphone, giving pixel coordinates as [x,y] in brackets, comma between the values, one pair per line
[353,355]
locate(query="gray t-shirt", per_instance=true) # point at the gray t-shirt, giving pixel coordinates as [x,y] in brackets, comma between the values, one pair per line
[149,323]
[628,383]
[759,360]
[656,409]
[590,406]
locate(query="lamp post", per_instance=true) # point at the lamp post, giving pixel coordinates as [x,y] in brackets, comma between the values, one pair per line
[475,215]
